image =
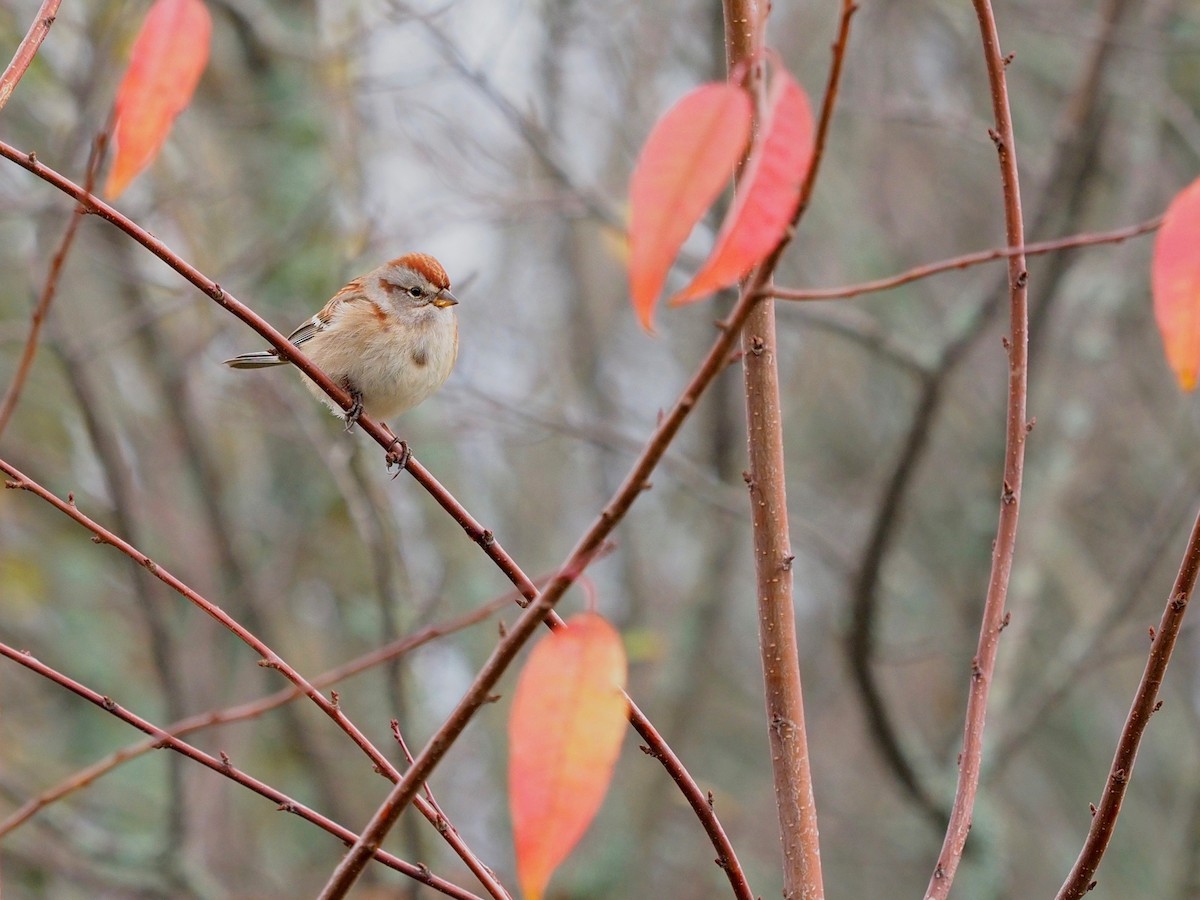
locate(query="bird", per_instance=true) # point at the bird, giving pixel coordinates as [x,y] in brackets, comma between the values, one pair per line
[390,338]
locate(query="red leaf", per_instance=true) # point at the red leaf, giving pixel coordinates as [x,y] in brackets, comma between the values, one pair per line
[763,208]
[686,162]
[564,734]
[169,54]
[1175,278]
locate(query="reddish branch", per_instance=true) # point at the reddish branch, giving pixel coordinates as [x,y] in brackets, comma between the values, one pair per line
[244,711]
[695,796]
[635,482]
[967,260]
[222,766]
[782,692]
[270,659]
[1016,428]
[1145,704]
[27,49]
[8,82]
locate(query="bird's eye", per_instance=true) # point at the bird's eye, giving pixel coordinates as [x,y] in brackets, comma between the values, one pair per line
[416,293]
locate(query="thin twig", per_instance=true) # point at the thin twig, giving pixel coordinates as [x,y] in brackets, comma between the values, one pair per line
[270,659]
[1016,428]
[28,48]
[1145,704]
[49,289]
[222,766]
[967,260]
[245,711]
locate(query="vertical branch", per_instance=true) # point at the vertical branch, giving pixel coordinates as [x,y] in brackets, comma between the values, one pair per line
[794,802]
[1016,428]
[1145,704]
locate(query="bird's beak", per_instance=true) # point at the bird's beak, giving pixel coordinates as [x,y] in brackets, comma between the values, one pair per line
[444,299]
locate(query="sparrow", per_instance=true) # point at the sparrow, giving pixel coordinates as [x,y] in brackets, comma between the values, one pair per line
[390,338]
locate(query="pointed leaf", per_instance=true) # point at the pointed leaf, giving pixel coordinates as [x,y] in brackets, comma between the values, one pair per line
[766,201]
[1175,279]
[564,734]
[686,162]
[168,57]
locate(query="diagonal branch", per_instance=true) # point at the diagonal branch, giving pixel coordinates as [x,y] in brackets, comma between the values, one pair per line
[222,766]
[49,289]
[270,659]
[244,711]
[1145,704]
[541,608]
[27,49]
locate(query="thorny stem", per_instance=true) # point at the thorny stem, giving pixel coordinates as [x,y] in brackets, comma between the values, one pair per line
[1016,428]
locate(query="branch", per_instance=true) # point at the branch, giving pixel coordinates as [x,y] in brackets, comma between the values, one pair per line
[1062,189]
[1145,704]
[863,638]
[966,261]
[49,288]
[244,711]
[27,49]
[222,766]
[795,805]
[1016,428]
[713,365]
[270,659]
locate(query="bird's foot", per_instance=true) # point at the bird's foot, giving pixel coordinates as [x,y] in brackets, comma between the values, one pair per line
[356,408]
[398,456]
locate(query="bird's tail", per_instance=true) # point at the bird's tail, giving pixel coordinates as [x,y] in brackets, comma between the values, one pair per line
[260,360]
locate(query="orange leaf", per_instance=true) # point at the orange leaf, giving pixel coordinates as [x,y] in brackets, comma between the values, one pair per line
[564,734]
[764,206]
[687,160]
[169,54]
[1175,278]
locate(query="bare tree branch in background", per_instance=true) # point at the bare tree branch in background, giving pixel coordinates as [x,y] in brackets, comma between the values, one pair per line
[1145,703]
[223,767]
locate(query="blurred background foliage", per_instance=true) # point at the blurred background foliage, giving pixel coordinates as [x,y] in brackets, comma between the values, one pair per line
[498,135]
